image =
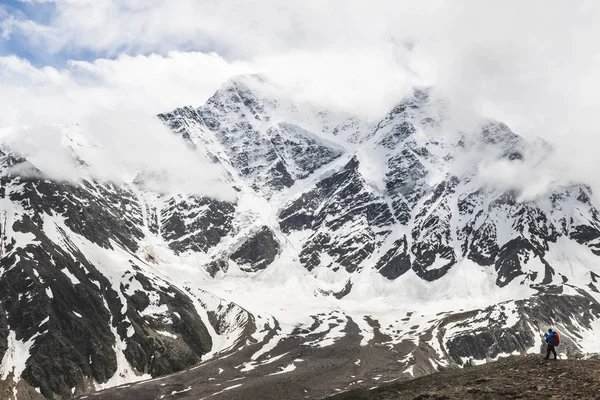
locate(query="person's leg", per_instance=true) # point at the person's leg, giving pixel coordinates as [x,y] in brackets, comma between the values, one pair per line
[548,352]
[554,352]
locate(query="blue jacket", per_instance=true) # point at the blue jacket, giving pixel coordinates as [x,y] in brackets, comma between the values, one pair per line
[548,337]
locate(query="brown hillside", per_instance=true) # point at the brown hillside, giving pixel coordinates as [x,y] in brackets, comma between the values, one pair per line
[517,377]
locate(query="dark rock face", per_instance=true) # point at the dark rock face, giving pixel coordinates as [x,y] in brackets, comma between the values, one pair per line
[64,342]
[54,297]
[348,221]
[499,135]
[344,292]
[181,120]
[191,223]
[583,230]
[91,209]
[442,218]
[258,252]
[532,231]
[396,261]
[255,157]
[432,248]
[532,317]
[269,157]
[151,351]
[406,187]
[508,264]
[302,153]
[217,265]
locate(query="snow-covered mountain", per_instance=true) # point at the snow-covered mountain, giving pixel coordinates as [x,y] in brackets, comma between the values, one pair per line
[350,249]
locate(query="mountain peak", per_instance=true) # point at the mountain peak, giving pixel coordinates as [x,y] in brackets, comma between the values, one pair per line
[338,234]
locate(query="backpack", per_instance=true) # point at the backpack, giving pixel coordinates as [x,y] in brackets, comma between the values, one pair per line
[555,339]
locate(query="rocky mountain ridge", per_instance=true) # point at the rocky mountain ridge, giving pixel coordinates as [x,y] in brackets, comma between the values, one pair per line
[342,234]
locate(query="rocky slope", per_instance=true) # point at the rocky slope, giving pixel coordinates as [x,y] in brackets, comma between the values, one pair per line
[353,248]
[509,378]
[303,365]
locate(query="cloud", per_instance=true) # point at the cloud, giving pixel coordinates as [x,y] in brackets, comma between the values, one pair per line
[520,62]
[111,105]
[234,28]
[525,62]
[150,84]
[127,141]
[366,82]
[533,65]
[124,147]
[6,22]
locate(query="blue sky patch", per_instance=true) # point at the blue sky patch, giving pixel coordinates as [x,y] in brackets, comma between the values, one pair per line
[18,44]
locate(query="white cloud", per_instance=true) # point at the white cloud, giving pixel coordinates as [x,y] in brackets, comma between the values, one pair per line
[236,28]
[6,22]
[127,140]
[527,62]
[119,146]
[534,65]
[114,103]
[150,84]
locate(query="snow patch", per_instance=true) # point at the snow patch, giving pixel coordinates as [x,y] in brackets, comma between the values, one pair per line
[70,275]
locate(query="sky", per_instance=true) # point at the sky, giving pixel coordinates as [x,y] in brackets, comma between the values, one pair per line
[534,65]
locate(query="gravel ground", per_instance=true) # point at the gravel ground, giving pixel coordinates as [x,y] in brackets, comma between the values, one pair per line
[519,377]
[294,369]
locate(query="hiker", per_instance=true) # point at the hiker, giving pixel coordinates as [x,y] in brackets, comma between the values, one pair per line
[552,340]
